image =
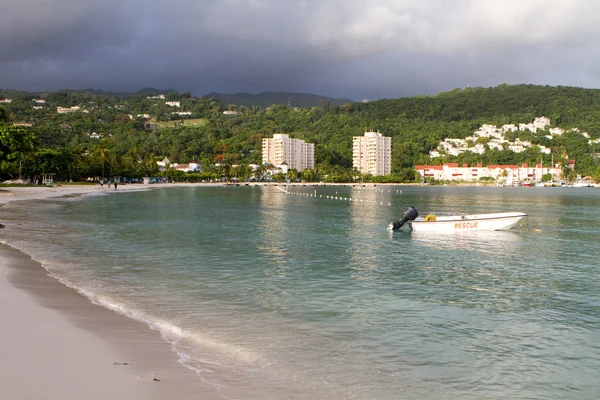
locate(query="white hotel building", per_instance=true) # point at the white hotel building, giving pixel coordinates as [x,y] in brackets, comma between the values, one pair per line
[372,154]
[509,173]
[287,153]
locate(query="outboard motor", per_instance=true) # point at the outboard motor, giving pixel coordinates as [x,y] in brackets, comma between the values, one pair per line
[409,215]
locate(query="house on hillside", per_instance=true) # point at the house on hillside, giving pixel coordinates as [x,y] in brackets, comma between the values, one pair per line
[541,122]
[65,110]
[162,165]
[528,127]
[192,166]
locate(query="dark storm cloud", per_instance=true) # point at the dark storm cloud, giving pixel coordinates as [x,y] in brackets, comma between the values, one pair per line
[352,48]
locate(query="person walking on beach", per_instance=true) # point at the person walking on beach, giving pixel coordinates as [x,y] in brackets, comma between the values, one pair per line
[115,185]
[101,182]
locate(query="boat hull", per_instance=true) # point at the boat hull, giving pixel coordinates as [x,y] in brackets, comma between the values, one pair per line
[465,223]
[582,184]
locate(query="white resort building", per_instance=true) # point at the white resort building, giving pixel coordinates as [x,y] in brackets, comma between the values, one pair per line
[192,166]
[287,153]
[509,174]
[372,154]
[491,137]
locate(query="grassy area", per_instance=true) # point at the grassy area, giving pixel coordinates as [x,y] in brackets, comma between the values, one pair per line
[194,122]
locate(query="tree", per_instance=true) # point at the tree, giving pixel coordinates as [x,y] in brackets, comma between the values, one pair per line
[169,172]
[46,160]
[244,172]
[596,174]
[16,145]
[101,154]
[293,175]
[3,116]
[262,171]
[568,173]
[130,161]
[71,158]
[149,165]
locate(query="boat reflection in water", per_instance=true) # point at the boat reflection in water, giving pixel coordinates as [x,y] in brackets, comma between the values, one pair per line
[486,242]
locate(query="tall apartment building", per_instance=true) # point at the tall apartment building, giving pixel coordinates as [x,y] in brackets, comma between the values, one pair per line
[372,153]
[281,150]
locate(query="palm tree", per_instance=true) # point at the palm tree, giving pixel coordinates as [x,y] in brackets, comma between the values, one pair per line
[568,172]
[224,171]
[149,165]
[358,175]
[293,175]
[244,172]
[101,153]
[71,158]
[167,170]
[131,160]
[260,172]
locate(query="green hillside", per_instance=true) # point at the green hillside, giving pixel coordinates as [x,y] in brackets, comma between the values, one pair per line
[137,128]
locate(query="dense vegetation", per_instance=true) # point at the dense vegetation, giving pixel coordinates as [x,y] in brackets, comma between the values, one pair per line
[66,144]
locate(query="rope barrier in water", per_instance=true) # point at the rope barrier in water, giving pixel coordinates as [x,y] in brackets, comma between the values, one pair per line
[337,197]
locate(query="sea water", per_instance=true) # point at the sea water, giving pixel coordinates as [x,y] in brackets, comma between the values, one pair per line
[309,296]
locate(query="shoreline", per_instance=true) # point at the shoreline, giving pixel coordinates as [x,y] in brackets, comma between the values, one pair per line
[57,344]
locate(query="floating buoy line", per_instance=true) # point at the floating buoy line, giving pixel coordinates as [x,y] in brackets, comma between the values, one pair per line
[342,198]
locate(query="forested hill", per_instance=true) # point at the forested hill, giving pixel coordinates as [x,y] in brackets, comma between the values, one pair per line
[209,131]
[565,106]
[266,99]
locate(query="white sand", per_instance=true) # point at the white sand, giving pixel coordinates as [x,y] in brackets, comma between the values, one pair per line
[44,356]
[35,193]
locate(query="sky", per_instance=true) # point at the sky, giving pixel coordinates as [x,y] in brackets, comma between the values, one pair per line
[357,49]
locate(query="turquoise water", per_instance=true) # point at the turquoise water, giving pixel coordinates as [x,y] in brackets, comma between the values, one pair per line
[295,296]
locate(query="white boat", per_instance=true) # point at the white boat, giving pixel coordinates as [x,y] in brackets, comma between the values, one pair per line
[457,223]
[583,184]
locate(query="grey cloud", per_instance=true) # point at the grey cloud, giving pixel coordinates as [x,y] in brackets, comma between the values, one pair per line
[34,29]
[355,48]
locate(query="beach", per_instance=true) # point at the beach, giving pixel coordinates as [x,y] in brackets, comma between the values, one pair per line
[56,344]
[185,291]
